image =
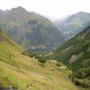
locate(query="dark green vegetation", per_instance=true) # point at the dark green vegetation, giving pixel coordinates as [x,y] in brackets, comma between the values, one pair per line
[30,30]
[75,53]
[73,24]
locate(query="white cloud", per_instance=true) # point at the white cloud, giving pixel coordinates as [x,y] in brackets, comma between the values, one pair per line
[52,8]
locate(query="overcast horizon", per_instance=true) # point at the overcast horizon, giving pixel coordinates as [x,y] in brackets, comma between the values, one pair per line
[53,9]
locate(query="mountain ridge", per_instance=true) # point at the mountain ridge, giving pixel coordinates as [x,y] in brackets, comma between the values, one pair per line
[30,29]
[73,24]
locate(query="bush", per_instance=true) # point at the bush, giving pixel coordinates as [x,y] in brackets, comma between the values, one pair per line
[41,60]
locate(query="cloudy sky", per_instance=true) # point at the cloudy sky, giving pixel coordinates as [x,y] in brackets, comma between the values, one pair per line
[54,9]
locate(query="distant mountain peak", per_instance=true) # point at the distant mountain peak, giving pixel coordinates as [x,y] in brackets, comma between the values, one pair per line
[74,24]
[30,30]
[82,12]
[19,8]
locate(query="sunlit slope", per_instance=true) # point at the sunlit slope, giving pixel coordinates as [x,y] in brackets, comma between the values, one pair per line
[25,73]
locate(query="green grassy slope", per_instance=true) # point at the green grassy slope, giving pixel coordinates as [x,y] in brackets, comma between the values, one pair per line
[76,54]
[24,73]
